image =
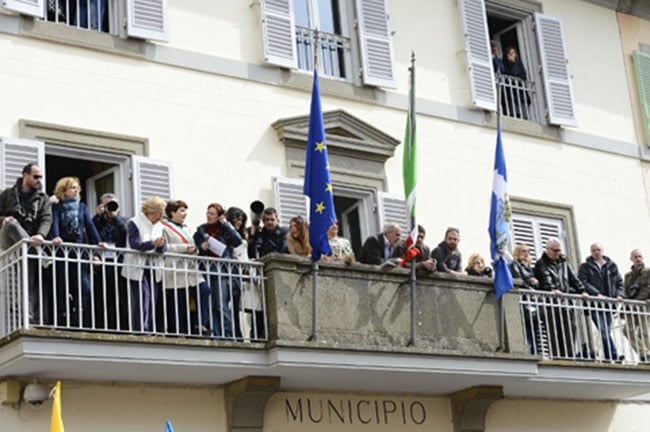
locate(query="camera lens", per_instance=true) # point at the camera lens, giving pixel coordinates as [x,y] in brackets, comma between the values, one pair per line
[112,206]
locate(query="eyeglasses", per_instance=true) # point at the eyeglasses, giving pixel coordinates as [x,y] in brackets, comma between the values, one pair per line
[37,177]
[556,250]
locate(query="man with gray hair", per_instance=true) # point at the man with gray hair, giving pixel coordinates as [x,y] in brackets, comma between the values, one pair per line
[378,249]
[637,287]
[554,274]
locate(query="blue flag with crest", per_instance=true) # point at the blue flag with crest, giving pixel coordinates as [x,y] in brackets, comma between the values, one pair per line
[499,228]
[318,185]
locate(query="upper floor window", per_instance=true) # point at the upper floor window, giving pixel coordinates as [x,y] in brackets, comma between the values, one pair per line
[145,19]
[536,84]
[291,29]
[319,23]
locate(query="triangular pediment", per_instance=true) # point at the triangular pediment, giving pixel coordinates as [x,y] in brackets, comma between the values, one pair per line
[345,133]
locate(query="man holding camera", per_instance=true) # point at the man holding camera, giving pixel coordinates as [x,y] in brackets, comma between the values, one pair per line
[637,287]
[112,230]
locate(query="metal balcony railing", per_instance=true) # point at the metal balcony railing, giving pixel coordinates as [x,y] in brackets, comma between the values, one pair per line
[87,14]
[518,97]
[573,327]
[80,287]
[333,56]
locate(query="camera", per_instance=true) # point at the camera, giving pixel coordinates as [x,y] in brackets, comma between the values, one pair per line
[257,207]
[112,206]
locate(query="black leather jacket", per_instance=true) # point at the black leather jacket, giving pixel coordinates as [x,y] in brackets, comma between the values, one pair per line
[557,275]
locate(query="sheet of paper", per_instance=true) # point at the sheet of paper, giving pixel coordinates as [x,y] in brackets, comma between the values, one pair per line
[215,246]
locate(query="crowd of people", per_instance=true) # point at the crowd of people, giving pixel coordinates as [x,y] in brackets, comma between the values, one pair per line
[215,297]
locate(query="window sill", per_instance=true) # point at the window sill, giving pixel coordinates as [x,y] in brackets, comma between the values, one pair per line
[81,38]
[525,127]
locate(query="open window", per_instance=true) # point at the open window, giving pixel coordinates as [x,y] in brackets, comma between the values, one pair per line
[113,168]
[539,87]
[144,19]
[291,29]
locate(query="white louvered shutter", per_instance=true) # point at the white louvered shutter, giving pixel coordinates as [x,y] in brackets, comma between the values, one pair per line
[482,87]
[534,231]
[278,33]
[288,199]
[34,8]
[150,178]
[642,67]
[555,68]
[392,209]
[375,43]
[15,154]
[147,19]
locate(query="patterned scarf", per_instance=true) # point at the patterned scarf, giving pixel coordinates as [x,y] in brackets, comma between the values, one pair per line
[70,216]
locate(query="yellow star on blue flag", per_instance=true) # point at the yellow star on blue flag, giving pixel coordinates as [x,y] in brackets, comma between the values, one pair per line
[318,185]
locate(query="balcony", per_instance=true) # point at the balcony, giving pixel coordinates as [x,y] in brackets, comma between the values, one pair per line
[333,52]
[517,97]
[363,329]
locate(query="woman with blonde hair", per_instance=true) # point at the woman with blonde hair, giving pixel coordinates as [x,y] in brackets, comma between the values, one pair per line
[522,266]
[72,223]
[298,237]
[144,234]
[476,266]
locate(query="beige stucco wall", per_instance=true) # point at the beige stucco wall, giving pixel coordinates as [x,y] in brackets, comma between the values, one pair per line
[107,408]
[513,415]
[217,132]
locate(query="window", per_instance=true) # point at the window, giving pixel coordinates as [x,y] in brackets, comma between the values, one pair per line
[145,19]
[545,96]
[534,222]
[73,152]
[357,154]
[289,34]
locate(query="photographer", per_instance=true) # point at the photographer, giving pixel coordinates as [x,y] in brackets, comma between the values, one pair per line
[112,230]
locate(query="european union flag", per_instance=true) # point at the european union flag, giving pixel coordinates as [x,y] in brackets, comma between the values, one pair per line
[168,426]
[499,227]
[318,185]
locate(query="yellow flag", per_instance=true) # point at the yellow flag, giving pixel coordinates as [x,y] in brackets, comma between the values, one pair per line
[56,424]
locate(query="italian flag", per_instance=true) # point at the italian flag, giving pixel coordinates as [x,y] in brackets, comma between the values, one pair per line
[409,172]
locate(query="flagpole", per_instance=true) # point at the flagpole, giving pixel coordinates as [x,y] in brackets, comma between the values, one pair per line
[502,318]
[314,264]
[412,136]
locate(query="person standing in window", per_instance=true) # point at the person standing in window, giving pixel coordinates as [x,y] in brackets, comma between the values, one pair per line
[340,246]
[110,287]
[516,98]
[72,223]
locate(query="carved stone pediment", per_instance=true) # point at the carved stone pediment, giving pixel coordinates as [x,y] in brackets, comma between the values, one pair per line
[346,135]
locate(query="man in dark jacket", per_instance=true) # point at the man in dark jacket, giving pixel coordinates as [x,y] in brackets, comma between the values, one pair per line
[554,274]
[271,238]
[447,255]
[423,261]
[602,279]
[25,211]
[637,287]
[378,249]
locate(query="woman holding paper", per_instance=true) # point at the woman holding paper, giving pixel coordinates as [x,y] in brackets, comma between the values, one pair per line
[183,284]
[216,239]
